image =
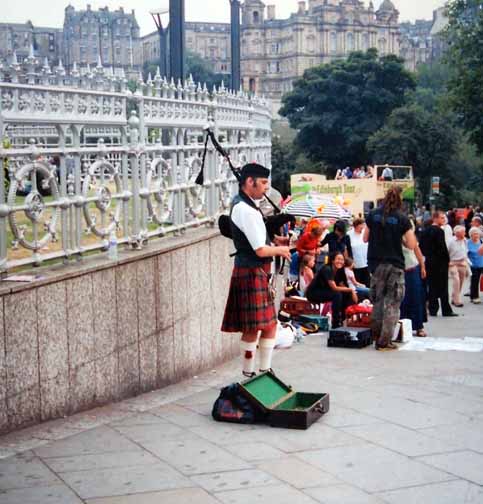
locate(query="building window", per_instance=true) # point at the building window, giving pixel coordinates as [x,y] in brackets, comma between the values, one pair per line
[252,85]
[382,46]
[365,42]
[256,17]
[333,42]
[350,42]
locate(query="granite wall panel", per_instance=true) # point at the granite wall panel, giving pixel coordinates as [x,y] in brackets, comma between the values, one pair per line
[148,358]
[164,294]
[22,364]
[101,336]
[3,373]
[166,366]
[53,350]
[179,285]
[127,323]
[105,330]
[146,282]
[82,343]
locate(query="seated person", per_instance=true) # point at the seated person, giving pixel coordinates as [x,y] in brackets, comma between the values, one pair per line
[330,285]
[347,172]
[337,240]
[293,272]
[306,275]
[361,289]
[308,243]
[370,172]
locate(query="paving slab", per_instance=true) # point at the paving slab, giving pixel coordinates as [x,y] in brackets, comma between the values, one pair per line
[280,494]
[197,456]
[343,494]
[449,492]
[234,480]
[125,480]
[100,440]
[465,435]
[297,473]
[373,468]
[100,461]
[252,452]
[182,496]
[53,494]
[465,464]
[408,442]
[23,471]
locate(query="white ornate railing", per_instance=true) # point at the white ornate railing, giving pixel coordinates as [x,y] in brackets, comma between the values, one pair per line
[64,199]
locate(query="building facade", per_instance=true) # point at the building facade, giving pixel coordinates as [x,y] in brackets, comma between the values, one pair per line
[416,43]
[211,41]
[20,37]
[276,52]
[113,37]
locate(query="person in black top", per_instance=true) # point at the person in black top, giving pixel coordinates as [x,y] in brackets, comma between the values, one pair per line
[433,246]
[338,240]
[330,285]
[386,228]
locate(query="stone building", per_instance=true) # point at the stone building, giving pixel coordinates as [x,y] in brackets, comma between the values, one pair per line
[209,40]
[416,43]
[19,37]
[111,36]
[275,52]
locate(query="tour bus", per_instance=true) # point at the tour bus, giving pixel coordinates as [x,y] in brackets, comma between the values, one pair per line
[360,195]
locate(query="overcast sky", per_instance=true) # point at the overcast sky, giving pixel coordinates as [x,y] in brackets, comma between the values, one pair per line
[51,12]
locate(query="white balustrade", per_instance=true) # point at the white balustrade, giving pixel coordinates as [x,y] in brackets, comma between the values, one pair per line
[103,159]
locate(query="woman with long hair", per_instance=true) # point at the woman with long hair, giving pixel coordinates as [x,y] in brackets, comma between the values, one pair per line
[330,285]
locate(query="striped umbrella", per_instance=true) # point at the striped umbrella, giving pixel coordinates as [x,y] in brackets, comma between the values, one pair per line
[328,209]
[302,208]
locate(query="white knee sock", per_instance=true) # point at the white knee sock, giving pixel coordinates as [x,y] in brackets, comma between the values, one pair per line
[249,351]
[266,350]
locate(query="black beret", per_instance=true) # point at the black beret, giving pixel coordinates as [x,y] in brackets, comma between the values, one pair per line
[254,170]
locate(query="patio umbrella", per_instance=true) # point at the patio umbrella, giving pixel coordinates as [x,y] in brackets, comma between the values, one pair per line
[302,208]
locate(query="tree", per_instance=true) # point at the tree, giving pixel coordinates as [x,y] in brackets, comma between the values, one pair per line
[413,136]
[337,107]
[464,35]
[202,72]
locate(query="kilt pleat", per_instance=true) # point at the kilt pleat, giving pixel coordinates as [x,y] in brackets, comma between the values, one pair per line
[249,306]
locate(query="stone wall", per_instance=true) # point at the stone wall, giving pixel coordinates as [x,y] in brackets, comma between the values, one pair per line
[98,332]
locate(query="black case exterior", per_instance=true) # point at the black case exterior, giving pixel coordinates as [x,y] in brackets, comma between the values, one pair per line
[290,418]
[300,419]
[350,337]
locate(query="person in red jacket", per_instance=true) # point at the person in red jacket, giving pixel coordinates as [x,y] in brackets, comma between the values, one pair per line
[309,242]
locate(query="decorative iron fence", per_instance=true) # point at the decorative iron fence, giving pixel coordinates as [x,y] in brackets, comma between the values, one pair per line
[102,159]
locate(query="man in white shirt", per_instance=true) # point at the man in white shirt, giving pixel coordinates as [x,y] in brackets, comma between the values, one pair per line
[250,307]
[387,173]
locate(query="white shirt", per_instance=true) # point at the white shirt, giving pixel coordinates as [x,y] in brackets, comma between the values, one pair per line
[448,233]
[458,250]
[359,249]
[250,222]
[387,172]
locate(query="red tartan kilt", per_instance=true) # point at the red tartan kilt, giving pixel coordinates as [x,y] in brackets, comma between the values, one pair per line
[249,307]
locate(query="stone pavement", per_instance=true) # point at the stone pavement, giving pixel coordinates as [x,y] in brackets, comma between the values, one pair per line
[404,428]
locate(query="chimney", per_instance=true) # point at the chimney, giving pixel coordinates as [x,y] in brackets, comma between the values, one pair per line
[270,12]
[302,8]
[88,7]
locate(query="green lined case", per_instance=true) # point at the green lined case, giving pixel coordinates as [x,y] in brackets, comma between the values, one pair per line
[283,406]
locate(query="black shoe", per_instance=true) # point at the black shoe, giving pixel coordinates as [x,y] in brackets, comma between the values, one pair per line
[452,314]
[458,305]
[467,294]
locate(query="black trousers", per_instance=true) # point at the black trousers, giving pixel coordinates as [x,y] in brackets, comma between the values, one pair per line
[363,276]
[437,280]
[340,301]
[475,282]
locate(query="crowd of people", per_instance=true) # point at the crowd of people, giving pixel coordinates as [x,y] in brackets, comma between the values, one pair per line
[403,263]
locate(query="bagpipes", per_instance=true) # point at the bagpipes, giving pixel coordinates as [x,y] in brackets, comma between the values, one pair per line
[273,223]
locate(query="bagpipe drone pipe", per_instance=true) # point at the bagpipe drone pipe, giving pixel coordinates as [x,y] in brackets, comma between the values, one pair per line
[274,223]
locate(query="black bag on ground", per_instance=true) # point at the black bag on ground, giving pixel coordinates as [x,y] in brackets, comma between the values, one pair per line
[231,406]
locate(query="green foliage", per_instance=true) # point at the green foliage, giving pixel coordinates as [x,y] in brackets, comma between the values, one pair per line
[414,136]
[202,72]
[336,107]
[464,35]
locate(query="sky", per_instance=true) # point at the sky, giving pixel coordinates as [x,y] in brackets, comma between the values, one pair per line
[51,13]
